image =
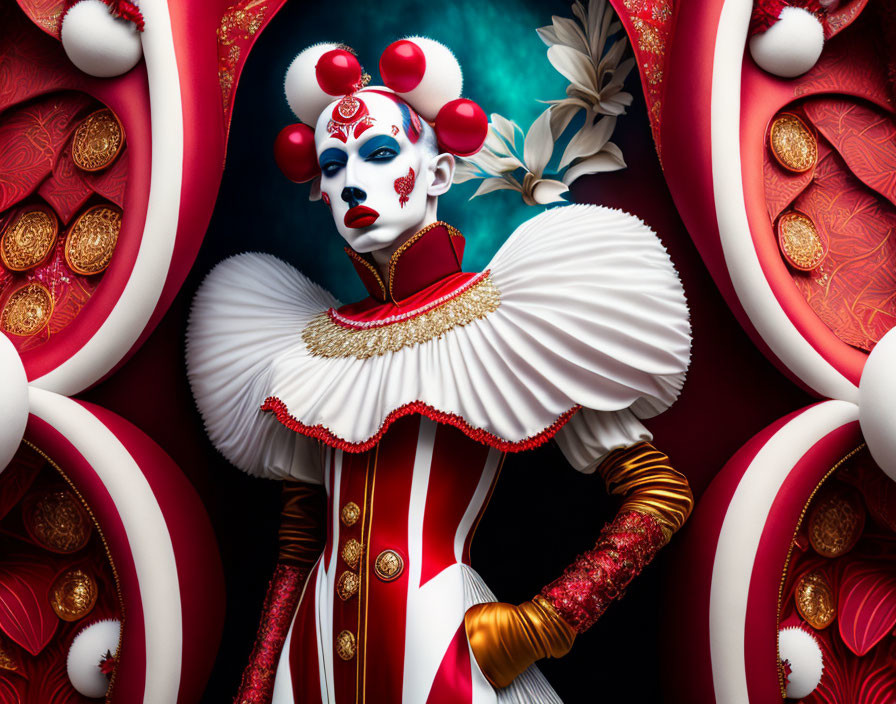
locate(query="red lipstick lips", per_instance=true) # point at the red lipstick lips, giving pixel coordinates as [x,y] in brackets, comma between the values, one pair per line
[360,216]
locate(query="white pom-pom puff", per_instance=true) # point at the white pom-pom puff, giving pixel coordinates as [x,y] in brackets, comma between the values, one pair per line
[13,401]
[791,46]
[442,79]
[802,653]
[87,652]
[99,43]
[303,93]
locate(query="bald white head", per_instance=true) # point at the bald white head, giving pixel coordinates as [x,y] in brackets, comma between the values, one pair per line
[381,172]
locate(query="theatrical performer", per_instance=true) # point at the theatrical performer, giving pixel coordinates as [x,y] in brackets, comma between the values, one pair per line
[388,419]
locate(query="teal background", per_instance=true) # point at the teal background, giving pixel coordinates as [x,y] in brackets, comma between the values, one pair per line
[505,70]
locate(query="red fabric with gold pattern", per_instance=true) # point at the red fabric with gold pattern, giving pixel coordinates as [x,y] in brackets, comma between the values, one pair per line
[854,290]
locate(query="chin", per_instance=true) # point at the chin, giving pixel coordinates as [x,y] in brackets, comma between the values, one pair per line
[369,239]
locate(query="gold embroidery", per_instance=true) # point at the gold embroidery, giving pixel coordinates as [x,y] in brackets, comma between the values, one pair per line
[97,141]
[347,585]
[324,337]
[92,238]
[57,521]
[835,523]
[351,512]
[345,645]
[800,241]
[815,600]
[239,23]
[351,553]
[7,661]
[29,238]
[792,143]
[73,595]
[27,311]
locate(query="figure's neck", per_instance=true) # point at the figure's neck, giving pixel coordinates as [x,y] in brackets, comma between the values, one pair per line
[383,257]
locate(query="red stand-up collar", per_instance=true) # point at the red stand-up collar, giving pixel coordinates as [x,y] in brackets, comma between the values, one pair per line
[432,254]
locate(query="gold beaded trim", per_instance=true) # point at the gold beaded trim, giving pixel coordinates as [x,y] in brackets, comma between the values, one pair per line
[324,337]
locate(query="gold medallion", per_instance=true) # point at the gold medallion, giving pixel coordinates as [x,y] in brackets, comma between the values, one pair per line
[57,521]
[92,238]
[29,238]
[27,310]
[792,143]
[836,521]
[73,595]
[97,141]
[351,553]
[815,600]
[800,242]
[347,585]
[345,645]
[388,565]
[350,514]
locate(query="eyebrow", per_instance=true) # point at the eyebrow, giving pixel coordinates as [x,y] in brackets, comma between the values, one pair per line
[329,155]
[376,142]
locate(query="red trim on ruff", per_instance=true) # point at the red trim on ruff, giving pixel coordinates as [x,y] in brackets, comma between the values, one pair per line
[274,405]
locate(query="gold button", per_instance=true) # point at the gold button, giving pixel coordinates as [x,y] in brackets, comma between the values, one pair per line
[348,584]
[388,565]
[98,141]
[351,553]
[345,645]
[351,512]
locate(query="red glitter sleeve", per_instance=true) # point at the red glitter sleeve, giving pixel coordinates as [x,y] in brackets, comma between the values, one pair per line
[599,576]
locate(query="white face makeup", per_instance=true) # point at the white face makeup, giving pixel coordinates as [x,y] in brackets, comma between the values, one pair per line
[374,179]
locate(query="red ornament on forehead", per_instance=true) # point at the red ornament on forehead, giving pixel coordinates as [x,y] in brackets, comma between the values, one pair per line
[349,110]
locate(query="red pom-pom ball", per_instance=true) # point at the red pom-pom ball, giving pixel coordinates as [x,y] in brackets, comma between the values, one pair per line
[295,153]
[461,127]
[338,72]
[402,66]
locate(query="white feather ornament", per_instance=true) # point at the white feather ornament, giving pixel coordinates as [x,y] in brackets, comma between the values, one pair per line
[303,93]
[802,653]
[87,652]
[99,43]
[791,46]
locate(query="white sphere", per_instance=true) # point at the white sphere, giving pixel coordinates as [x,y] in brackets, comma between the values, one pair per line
[802,653]
[13,401]
[99,43]
[791,46]
[303,93]
[442,79]
[877,403]
[88,650]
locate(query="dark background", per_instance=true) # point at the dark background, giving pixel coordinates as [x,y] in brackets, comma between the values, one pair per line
[543,513]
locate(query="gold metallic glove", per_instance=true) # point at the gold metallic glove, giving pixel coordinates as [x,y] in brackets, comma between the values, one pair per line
[507,639]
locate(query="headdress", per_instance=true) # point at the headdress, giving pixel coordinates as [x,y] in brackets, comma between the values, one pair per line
[417,71]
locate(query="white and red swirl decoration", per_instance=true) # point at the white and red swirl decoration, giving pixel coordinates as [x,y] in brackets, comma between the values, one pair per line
[422,72]
[156,81]
[775,126]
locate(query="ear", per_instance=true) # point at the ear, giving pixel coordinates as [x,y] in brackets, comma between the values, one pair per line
[441,174]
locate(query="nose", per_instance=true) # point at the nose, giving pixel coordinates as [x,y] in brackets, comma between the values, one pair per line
[353,196]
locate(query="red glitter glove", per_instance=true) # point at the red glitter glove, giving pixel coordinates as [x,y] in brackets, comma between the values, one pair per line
[301,542]
[657,502]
